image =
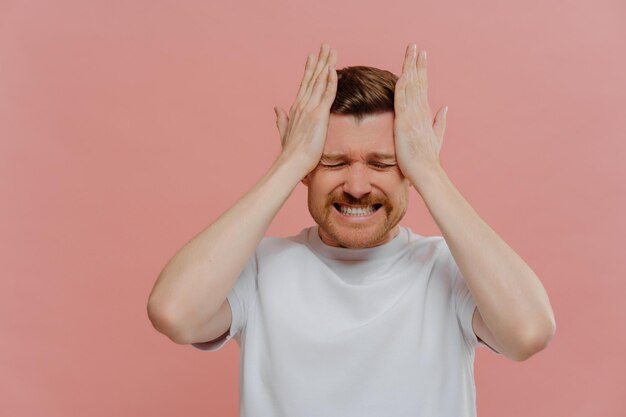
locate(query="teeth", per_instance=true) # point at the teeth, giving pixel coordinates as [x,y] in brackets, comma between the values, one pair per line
[357,211]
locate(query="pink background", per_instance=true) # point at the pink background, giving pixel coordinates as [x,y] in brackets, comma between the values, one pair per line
[126,127]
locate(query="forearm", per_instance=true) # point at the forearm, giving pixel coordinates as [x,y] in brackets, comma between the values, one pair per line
[510,297]
[195,282]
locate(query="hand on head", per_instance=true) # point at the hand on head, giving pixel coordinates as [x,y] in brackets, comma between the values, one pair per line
[303,130]
[418,138]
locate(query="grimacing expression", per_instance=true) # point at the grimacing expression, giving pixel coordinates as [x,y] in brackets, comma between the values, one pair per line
[357,193]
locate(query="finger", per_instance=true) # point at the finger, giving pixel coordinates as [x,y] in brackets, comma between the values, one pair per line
[322,81]
[321,60]
[399,95]
[331,89]
[421,72]
[417,87]
[439,126]
[405,86]
[308,74]
[320,66]
[408,58]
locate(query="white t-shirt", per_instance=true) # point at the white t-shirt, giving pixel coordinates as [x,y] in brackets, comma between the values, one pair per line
[337,332]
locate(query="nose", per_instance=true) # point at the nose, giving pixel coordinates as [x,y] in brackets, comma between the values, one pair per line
[357,181]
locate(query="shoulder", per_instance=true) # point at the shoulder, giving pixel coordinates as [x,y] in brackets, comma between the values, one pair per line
[276,255]
[433,253]
[275,246]
[427,246]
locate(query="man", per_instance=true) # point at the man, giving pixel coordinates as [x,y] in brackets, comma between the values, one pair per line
[357,316]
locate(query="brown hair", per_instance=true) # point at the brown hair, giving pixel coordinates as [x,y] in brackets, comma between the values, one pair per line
[364,90]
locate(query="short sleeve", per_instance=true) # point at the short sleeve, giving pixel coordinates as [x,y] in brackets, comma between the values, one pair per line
[465,306]
[240,298]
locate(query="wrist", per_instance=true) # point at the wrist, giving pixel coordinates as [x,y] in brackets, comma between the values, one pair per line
[298,162]
[428,175]
[294,164]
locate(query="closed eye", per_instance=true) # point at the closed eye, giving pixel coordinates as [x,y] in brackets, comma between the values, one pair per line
[333,165]
[382,166]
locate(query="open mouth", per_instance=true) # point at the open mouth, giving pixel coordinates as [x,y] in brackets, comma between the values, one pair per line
[357,211]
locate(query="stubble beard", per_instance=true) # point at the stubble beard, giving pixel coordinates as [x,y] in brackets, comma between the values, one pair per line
[358,235]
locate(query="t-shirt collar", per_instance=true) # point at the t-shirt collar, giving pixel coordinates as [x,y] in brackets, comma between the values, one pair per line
[333,252]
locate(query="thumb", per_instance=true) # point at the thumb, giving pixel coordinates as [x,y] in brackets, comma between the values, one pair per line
[439,126]
[282,121]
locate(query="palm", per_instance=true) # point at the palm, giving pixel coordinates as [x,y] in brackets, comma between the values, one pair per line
[418,138]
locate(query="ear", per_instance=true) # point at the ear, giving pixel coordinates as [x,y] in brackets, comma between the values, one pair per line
[305,180]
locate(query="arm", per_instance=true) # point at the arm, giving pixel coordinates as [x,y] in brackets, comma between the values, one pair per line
[514,311]
[196,281]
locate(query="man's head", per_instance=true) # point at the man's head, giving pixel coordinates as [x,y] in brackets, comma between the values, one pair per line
[357,194]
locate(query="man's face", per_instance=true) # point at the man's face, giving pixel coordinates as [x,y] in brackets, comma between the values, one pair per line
[357,194]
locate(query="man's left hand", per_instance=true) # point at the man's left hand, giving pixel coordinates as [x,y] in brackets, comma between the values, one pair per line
[418,137]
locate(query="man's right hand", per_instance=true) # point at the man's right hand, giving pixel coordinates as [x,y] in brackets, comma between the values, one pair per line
[189,300]
[303,131]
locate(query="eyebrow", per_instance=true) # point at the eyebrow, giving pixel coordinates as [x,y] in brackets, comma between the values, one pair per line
[372,155]
[382,156]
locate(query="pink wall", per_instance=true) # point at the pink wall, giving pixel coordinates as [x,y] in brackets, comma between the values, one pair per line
[127,127]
